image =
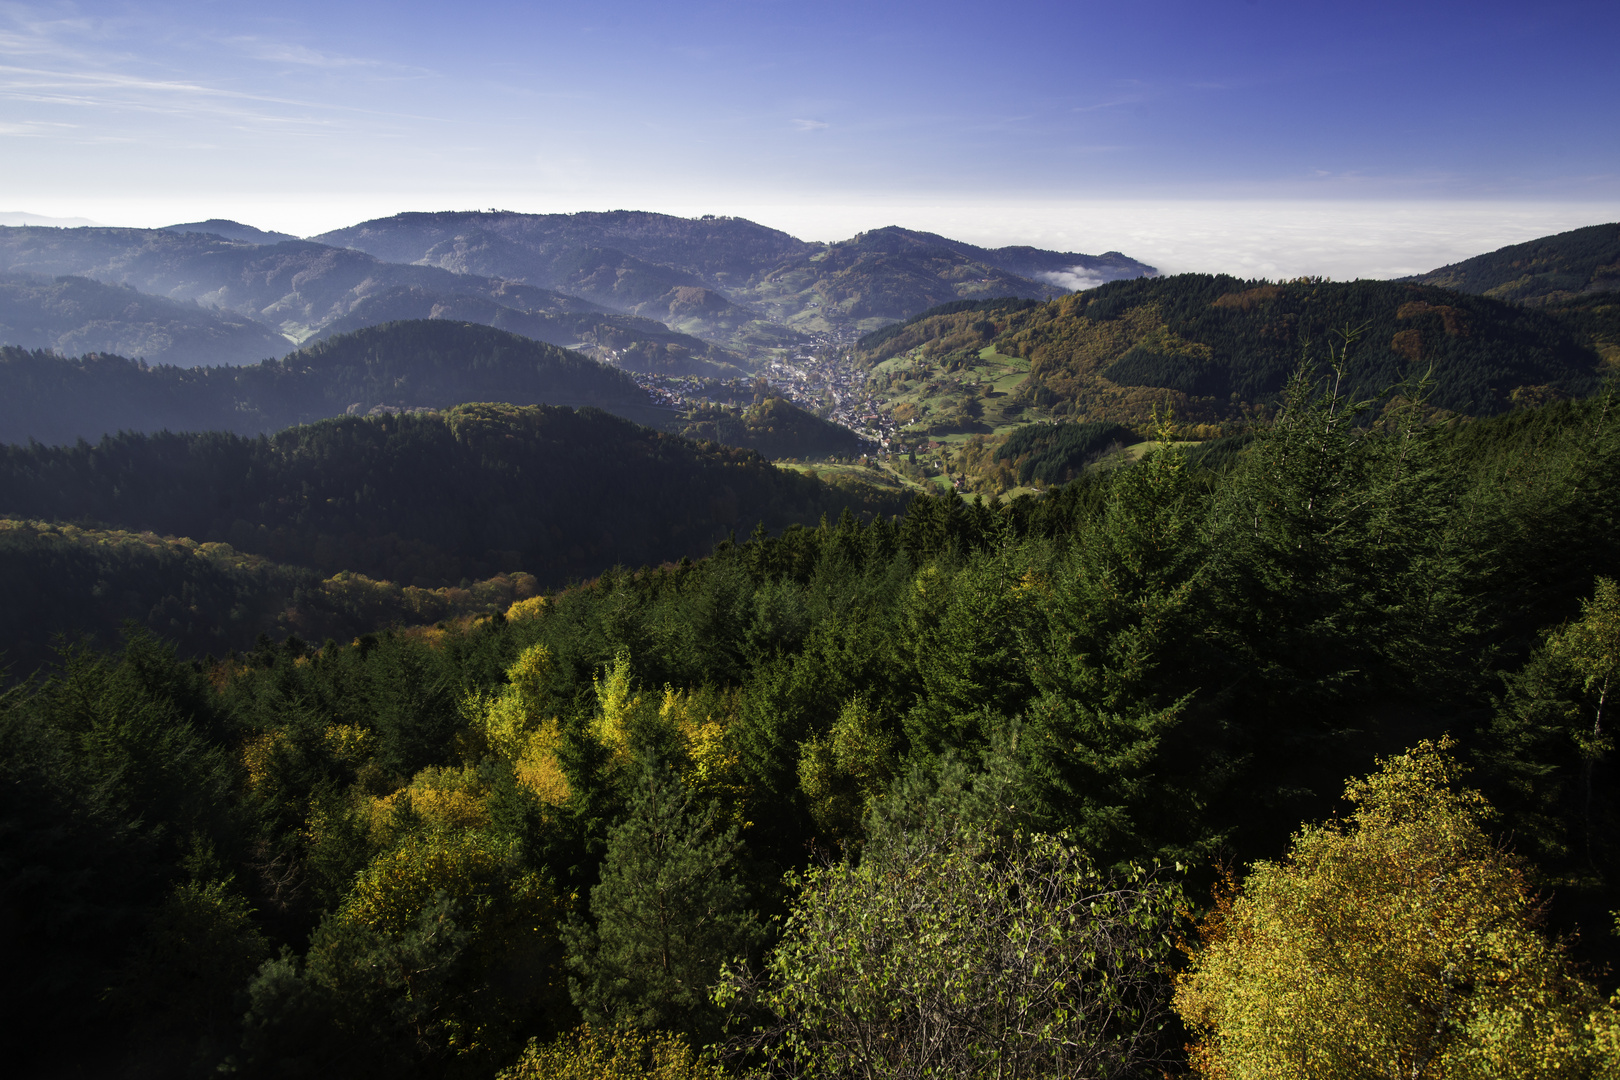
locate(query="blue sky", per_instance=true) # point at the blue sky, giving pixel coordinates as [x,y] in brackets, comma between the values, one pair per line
[816,117]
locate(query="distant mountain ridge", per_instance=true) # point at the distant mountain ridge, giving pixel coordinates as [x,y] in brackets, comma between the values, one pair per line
[294,287]
[711,290]
[638,261]
[231,230]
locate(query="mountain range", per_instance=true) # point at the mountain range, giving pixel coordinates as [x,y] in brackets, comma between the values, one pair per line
[709,275]
[649,291]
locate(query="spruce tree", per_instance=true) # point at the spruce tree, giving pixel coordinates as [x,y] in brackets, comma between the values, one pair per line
[667,913]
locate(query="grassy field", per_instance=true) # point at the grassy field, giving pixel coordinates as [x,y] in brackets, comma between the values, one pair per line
[876,475]
[931,395]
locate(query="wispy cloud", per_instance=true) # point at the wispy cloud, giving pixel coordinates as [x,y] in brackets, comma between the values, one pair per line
[1134,99]
[32,129]
[286,52]
[48,61]
[281,52]
[111,89]
[808,125]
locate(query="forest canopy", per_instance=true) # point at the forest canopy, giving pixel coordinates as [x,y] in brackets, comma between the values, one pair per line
[441,851]
[430,498]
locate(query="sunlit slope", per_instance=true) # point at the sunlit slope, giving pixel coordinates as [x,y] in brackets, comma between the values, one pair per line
[1217,348]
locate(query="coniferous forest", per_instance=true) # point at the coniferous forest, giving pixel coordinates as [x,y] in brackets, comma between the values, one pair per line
[514,741]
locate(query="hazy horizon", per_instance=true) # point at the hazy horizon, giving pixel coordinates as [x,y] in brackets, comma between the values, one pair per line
[1369,139]
[1340,239]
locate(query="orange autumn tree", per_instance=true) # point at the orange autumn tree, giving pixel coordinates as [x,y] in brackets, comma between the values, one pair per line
[1399,942]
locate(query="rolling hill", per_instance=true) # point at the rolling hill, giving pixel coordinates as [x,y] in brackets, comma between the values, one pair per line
[299,291]
[74,315]
[69,583]
[429,499]
[775,428]
[629,341]
[231,230]
[1218,348]
[293,287]
[400,366]
[1549,270]
[892,273]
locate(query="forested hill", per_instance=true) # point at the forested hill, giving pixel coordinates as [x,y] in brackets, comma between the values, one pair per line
[775,427]
[404,365]
[75,315]
[429,499]
[1547,270]
[1217,348]
[231,230]
[721,248]
[67,583]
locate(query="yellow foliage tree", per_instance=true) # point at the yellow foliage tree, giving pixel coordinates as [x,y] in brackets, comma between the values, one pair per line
[532,608]
[447,936]
[1401,942]
[517,724]
[617,703]
[587,1053]
[702,733]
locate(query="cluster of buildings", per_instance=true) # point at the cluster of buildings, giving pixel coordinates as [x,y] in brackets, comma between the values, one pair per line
[827,381]
[822,379]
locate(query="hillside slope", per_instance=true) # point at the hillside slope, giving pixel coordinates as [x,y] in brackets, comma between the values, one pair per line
[1547,270]
[64,582]
[429,499]
[1217,348]
[74,315]
[775,428]
[404,365]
